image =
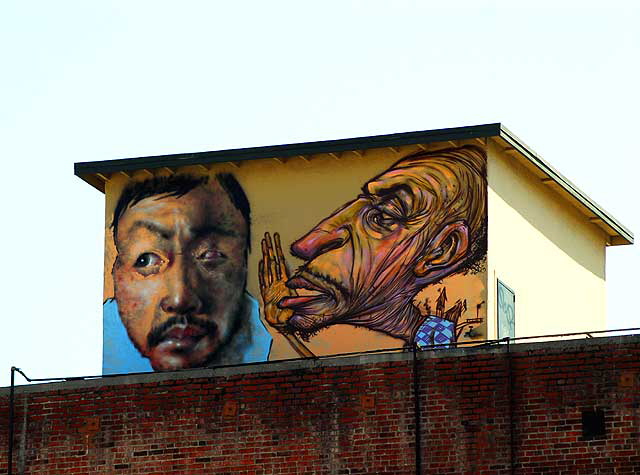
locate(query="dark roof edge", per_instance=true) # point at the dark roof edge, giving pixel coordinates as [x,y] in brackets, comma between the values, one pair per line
[569,187]
[82,169]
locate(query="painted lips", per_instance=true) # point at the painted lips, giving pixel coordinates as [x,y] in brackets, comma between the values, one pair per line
[181,337]
[309,293]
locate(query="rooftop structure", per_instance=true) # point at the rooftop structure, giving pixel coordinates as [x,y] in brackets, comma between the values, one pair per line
[421,238]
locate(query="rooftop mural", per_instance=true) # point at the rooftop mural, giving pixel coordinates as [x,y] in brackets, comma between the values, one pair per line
[229,265]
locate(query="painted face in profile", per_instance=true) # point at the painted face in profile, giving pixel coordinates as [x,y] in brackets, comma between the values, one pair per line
[364,263]
[180,275]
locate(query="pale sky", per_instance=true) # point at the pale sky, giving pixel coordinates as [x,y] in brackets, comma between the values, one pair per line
[100,80]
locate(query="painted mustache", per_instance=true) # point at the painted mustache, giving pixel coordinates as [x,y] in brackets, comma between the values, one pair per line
[191,327]
[320,281]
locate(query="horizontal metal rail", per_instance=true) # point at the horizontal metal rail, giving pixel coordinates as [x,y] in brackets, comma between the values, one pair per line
[459,344]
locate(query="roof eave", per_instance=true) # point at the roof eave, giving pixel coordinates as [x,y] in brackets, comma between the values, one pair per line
[95,173]
[619,234]
[88,171]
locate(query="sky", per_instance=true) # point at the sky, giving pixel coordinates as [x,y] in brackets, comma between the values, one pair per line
[100,80]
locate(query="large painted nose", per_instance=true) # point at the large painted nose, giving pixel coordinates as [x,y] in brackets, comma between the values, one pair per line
[181,295]
[319,241]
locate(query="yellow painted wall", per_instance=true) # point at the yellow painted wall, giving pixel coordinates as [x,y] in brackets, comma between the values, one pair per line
[545,250]
[291,197]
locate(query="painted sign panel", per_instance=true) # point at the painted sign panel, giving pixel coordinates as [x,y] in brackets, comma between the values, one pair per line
[506,311]
[272,259]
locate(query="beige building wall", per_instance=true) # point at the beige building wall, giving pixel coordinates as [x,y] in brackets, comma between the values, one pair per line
[544,249]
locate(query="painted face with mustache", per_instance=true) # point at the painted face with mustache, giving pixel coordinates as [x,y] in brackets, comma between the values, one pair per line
[180,275]
[366,262]
[358,262]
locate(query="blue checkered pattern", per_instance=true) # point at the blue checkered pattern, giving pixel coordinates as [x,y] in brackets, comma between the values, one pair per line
[435,331]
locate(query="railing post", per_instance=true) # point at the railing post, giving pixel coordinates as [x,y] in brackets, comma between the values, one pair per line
[11,394]
[512,449]
[416,411]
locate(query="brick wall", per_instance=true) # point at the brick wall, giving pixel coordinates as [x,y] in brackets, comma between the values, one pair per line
[480,409]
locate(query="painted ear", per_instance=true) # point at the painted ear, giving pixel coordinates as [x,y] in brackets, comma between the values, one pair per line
[446,250]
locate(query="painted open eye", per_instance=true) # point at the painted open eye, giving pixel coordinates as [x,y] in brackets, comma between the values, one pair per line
[147,259]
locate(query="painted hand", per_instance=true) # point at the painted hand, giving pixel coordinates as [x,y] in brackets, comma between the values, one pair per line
[273,274]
